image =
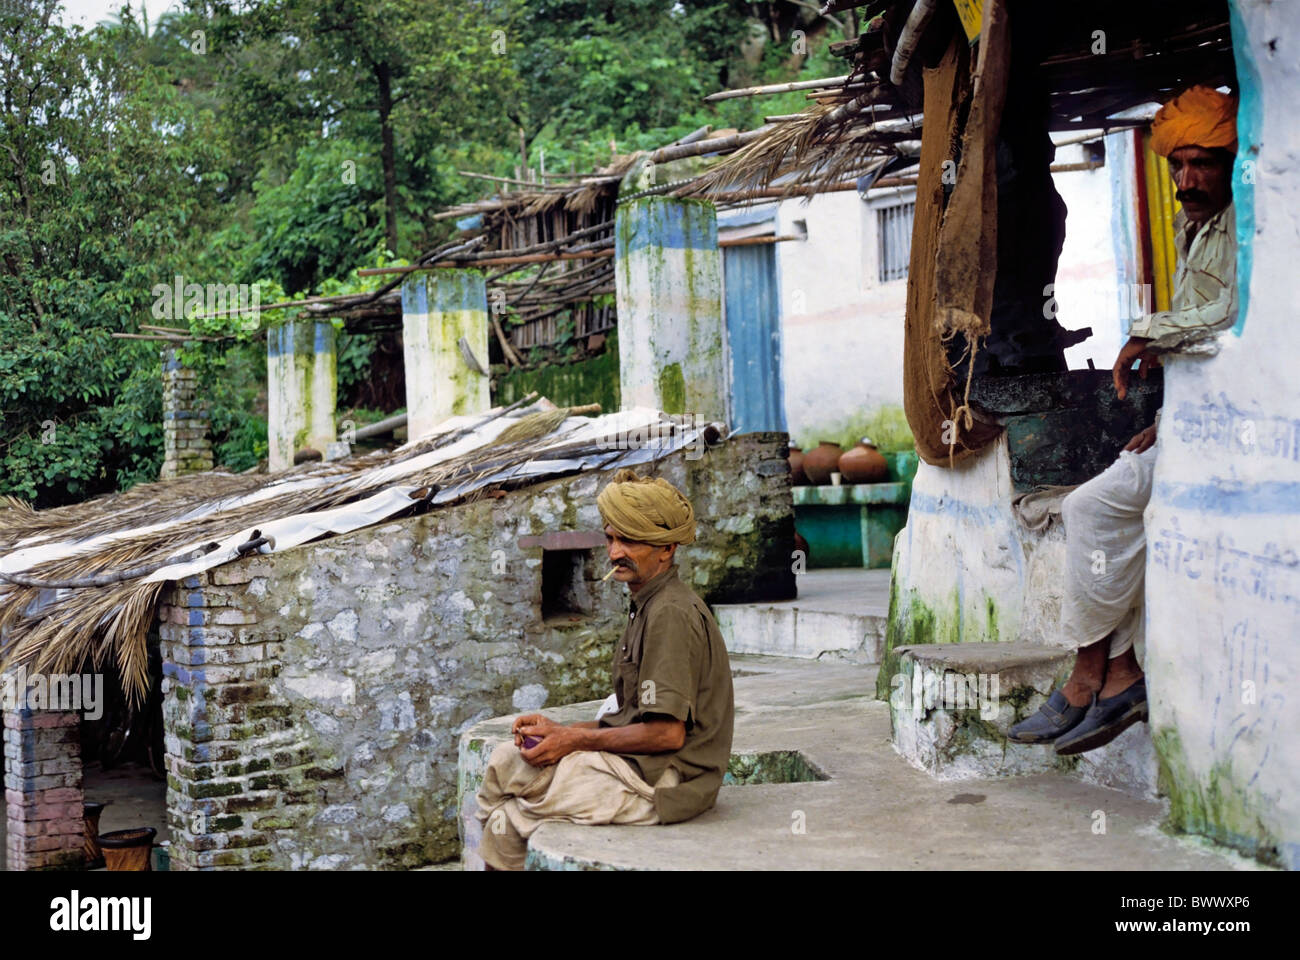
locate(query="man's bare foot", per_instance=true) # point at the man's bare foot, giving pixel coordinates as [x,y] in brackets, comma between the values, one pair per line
[1121,673]
[1088,675]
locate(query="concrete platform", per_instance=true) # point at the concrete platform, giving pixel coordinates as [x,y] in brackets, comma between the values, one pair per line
[953,704]
[838,614]
[875,811]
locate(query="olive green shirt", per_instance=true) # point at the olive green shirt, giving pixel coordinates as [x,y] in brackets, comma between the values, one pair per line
[672,662]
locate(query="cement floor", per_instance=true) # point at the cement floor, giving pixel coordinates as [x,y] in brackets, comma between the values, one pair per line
[876,812]
[852,590]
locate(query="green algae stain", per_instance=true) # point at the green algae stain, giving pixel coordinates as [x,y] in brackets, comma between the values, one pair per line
[672,389]
[1215,806]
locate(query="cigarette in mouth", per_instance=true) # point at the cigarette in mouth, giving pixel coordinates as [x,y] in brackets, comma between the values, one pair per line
[608,575]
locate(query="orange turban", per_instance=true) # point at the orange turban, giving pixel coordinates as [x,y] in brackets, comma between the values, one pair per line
[1200,117]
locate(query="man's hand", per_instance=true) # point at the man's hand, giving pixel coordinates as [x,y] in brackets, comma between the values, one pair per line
[529,719]
[1135,349]
[1142,441]
[558,741]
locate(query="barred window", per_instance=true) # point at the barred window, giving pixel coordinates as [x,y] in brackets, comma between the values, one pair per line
[894,233]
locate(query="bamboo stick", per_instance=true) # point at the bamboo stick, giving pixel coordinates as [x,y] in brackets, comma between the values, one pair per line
[776,88]
[693,136]
[493,262]
[512,180]
[163,338]
[716,145]
[757,241]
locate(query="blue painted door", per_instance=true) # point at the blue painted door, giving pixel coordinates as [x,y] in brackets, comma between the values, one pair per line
[754,335]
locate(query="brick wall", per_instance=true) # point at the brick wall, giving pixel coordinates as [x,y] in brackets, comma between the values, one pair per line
[187,448]
[43,798]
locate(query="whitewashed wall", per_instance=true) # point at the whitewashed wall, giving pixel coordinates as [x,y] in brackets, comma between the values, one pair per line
[842,329]
[1086,281]
[1223,567]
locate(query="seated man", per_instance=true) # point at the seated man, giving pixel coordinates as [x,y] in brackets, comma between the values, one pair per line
[660,757]
[1105,543]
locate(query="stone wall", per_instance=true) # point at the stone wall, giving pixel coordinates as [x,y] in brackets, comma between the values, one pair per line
[314,698]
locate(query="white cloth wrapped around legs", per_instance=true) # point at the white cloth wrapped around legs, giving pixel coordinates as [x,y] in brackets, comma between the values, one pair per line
[1105,554]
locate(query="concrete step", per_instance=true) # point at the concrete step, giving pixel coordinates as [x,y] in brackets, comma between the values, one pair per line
[872,810]
[840,614]
[952,705]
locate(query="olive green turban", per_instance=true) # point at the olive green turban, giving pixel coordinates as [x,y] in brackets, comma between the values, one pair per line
[648,509]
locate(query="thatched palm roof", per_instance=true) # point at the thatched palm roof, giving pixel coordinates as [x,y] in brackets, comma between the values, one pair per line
[80,584]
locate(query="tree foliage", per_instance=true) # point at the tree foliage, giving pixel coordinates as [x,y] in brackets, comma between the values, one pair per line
[286,143]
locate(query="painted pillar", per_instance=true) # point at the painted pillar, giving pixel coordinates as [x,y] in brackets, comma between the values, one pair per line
[45,825]
[439,308]
[187,448]
[671,338]
[1223,524]
[302,390]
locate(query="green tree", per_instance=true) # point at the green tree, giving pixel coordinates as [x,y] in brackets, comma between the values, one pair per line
[107,182]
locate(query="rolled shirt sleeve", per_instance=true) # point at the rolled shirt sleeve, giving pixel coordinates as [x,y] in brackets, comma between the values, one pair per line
[1170,329]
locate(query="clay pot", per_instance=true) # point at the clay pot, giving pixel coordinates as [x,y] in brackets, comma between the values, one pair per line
[819,464]
[863,463]
[797,477]
[128,849]
[91,810]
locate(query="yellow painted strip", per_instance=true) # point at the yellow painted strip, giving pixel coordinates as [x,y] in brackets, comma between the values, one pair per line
[1161,209]
[971,13]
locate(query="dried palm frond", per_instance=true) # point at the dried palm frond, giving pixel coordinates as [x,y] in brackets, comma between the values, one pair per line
[109,624]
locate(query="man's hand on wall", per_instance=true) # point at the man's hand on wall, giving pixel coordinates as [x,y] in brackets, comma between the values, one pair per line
[1142,441]
[1135,349]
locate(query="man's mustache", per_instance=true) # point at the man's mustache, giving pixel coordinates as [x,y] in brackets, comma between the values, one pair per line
[1192,196]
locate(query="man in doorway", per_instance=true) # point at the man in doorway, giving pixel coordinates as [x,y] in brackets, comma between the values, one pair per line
[661,755]
[1102,608]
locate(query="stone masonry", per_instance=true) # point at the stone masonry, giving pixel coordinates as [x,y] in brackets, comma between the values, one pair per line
[313,699]
[187,448]
[43,798]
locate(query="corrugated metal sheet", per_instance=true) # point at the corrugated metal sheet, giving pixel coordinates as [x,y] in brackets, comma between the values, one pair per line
[754,334]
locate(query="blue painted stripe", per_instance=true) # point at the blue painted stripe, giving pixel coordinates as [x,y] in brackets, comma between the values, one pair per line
[986,516]
[445,291]
[1249,137]
[1232,498]
[324,340]
[665,223]
[289,338]
[415,295]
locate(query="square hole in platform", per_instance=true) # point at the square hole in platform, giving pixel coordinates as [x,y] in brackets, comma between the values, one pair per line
[773,766]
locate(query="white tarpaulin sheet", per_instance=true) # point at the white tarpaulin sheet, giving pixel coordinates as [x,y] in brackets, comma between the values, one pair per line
[632,436]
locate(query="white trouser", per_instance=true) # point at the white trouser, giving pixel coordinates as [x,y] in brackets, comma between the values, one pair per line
[1105,554]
